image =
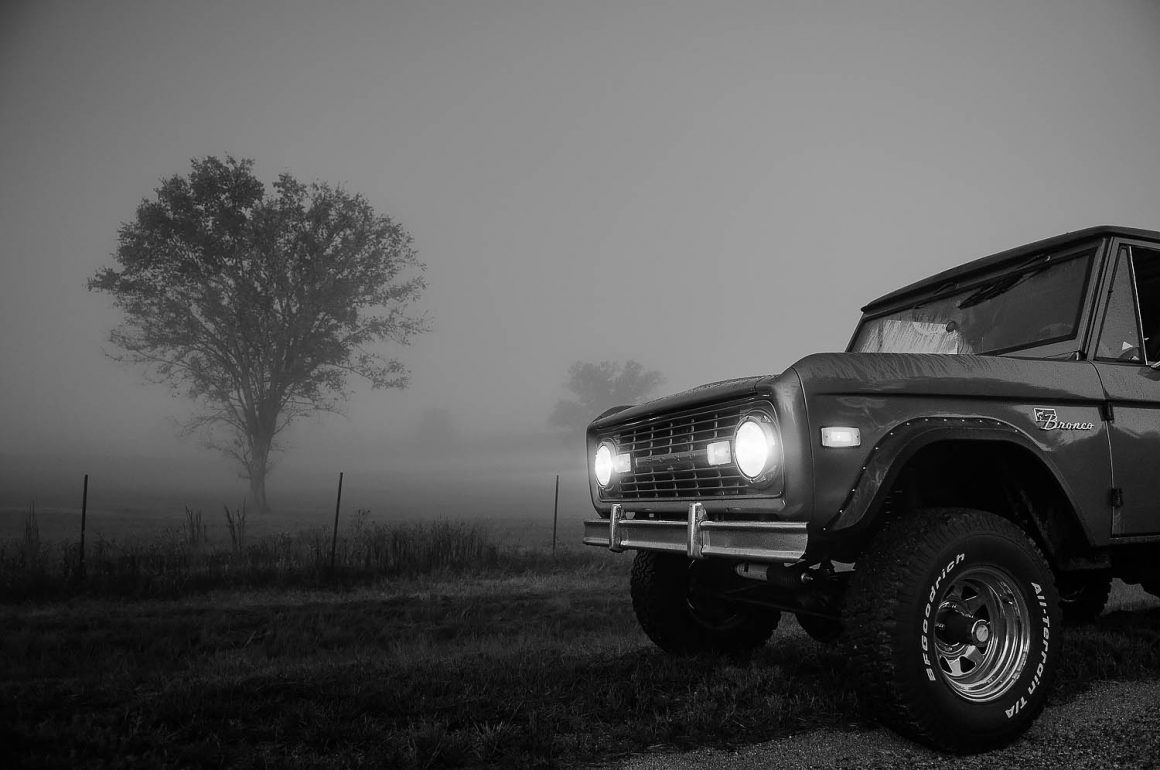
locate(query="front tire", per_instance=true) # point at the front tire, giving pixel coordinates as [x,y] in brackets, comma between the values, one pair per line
[953,628]
[679,606]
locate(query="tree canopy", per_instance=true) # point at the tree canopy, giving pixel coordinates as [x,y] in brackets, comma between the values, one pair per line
[261,304]
[597,387]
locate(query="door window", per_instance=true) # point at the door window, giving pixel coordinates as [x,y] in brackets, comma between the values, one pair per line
[1146,265]
[1120,339]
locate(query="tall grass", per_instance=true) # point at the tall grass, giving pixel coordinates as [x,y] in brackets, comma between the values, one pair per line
[31,551]
[194,528]
[236,521]
[184,561]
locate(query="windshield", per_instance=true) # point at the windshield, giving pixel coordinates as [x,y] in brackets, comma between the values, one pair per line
[1040,303]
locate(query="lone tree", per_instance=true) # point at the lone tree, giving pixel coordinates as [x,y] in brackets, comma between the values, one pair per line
[597,387]
[260,305]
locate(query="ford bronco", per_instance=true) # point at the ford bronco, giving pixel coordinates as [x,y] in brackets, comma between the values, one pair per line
[974,469]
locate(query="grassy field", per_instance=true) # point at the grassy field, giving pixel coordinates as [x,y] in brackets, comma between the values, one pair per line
[509,659]
[190,555]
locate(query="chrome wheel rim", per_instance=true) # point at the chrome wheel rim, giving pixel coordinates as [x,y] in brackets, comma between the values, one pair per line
[982,634]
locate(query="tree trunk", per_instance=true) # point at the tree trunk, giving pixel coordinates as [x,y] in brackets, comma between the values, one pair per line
[257,469]
[258,500]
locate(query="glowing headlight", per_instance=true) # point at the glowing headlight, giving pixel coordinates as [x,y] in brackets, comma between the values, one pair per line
[755,447]
[603,465]
[607,462]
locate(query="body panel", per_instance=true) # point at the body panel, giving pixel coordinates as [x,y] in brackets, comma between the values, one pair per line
[1134,393]
[877,392]
[714,392]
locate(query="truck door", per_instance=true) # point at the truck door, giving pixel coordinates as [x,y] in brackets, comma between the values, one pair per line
[1127,345]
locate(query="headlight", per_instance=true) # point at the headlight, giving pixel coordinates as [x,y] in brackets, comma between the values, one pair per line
[603,465]
[607,463]
[755,447]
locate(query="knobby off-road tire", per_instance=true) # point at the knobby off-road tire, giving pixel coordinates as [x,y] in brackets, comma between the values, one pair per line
[1082,596]
[953,628]
[677,603]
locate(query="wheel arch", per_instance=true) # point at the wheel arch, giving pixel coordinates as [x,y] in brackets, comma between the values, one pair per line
[971,462]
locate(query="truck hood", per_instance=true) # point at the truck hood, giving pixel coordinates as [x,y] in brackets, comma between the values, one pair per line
[714,392]
[914,374]
[924,374]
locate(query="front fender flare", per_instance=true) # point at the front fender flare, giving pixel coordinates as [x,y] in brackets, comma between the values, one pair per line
[902,442]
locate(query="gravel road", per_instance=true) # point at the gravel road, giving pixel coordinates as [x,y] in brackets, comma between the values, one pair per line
[1113,725]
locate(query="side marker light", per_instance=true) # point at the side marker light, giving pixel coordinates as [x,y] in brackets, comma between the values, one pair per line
[841,437]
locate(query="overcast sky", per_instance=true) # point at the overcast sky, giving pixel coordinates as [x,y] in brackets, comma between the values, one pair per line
[713,189]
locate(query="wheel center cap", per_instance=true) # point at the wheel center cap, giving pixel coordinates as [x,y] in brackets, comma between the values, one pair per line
[956,627]
[980,632]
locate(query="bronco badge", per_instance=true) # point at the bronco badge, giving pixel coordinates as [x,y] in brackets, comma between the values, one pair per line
[1047,419]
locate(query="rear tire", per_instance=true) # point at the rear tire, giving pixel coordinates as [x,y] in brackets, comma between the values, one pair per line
[952,628]
[678,604]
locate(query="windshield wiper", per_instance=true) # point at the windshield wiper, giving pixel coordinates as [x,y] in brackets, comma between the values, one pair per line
[944,289]
[1003,284]
[991,290]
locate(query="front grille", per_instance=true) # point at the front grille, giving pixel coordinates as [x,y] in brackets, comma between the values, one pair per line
[672,434]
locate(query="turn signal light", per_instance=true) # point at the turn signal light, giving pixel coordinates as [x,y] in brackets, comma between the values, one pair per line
[841,437]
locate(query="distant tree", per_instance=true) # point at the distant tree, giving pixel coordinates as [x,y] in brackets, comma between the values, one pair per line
[597,387]
[434,429]
[258,304]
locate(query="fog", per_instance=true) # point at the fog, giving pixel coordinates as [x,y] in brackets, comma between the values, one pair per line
[710,189]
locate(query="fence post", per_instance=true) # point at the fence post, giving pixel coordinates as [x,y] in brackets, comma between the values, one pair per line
[84,515]
[334,538]
[555,514]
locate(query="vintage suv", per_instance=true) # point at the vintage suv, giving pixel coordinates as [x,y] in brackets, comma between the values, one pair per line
[976,467]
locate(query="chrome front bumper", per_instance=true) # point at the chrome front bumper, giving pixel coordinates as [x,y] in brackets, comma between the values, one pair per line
[759,541]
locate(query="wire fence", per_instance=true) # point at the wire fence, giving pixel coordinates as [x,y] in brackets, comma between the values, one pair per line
[178,560]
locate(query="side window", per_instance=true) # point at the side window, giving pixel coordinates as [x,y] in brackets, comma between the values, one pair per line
[1147,268]
[1120,338]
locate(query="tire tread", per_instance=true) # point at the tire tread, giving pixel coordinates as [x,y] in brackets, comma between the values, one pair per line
[883,575]
[659,584]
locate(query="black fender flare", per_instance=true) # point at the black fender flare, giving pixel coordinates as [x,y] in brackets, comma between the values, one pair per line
[892,453]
